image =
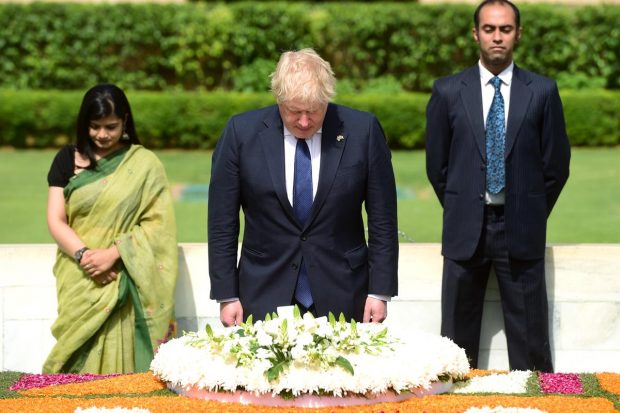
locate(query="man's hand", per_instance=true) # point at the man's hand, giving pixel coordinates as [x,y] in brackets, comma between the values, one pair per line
[231,313]
[375,310]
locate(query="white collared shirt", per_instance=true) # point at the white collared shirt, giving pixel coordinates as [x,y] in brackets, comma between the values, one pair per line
[290,144]
[488,91]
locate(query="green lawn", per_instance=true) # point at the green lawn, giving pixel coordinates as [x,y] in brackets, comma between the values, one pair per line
[588,210]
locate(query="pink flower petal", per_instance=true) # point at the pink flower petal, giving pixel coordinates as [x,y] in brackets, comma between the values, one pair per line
[563,383]
[29,381]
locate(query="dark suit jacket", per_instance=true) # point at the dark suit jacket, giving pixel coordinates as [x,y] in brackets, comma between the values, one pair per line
[248,172]
[537,160]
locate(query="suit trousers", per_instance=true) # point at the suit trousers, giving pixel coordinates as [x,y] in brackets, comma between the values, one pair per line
[523,296]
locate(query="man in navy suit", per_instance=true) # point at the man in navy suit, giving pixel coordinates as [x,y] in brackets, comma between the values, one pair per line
[496,198]
[322,256]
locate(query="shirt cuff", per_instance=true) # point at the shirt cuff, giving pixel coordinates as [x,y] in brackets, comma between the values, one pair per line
[385,298]
[228,300]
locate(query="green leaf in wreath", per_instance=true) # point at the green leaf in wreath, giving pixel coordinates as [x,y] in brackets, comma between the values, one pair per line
[287,394]
[345,364]
[381,334]
[332,319]
[275,370]
[284,328]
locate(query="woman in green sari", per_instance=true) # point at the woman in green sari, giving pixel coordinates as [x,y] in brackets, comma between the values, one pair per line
[110,211]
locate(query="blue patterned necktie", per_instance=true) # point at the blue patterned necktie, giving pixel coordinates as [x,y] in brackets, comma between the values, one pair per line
[495,141]
[302,204]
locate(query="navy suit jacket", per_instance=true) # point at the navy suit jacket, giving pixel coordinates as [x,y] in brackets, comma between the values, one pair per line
[537,160]
[248,173]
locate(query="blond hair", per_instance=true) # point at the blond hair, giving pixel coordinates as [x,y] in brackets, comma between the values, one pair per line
[303,76]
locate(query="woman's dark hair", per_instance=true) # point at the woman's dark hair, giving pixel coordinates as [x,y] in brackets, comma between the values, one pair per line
[99,102]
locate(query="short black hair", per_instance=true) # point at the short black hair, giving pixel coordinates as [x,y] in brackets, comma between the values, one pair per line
[500,2]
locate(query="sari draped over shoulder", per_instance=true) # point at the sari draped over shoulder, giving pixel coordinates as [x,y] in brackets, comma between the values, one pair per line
[116,327]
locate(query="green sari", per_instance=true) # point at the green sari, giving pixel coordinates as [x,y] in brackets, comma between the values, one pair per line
[116,327]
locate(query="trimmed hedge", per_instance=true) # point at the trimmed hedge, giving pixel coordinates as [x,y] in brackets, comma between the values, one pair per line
[36,119]
[209,46]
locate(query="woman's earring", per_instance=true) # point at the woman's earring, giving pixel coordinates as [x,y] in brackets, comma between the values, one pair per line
[125,136]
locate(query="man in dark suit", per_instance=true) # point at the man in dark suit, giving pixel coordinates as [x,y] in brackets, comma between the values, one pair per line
[301,171]
[497,156]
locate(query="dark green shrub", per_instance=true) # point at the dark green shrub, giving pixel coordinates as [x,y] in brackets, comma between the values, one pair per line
[38,118]
[230,46]
[592,117]
[180,119]
[401,115]
[254,77]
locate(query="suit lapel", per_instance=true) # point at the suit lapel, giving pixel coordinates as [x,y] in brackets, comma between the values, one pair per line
[332,147]
[272,139]
[471,97]
[520,97]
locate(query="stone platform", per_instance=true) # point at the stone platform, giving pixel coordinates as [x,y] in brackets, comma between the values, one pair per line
[583,282]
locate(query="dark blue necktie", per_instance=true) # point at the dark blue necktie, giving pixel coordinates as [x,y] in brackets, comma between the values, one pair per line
[496,141]
[302,204]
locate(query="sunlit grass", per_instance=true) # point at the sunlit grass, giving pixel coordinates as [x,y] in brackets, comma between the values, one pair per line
[588,210]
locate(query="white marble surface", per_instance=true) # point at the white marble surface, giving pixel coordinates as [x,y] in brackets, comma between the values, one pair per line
[582,279]
[2,331]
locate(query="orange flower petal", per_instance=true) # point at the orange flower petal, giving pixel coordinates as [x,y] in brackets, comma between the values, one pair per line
[431,404]
[609,382]
[476,372]
[139,383]
[145,383]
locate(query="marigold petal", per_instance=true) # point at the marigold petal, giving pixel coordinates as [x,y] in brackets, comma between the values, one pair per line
[138,383]
[609,382]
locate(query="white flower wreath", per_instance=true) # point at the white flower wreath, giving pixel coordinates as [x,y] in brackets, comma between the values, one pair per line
[293,355]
